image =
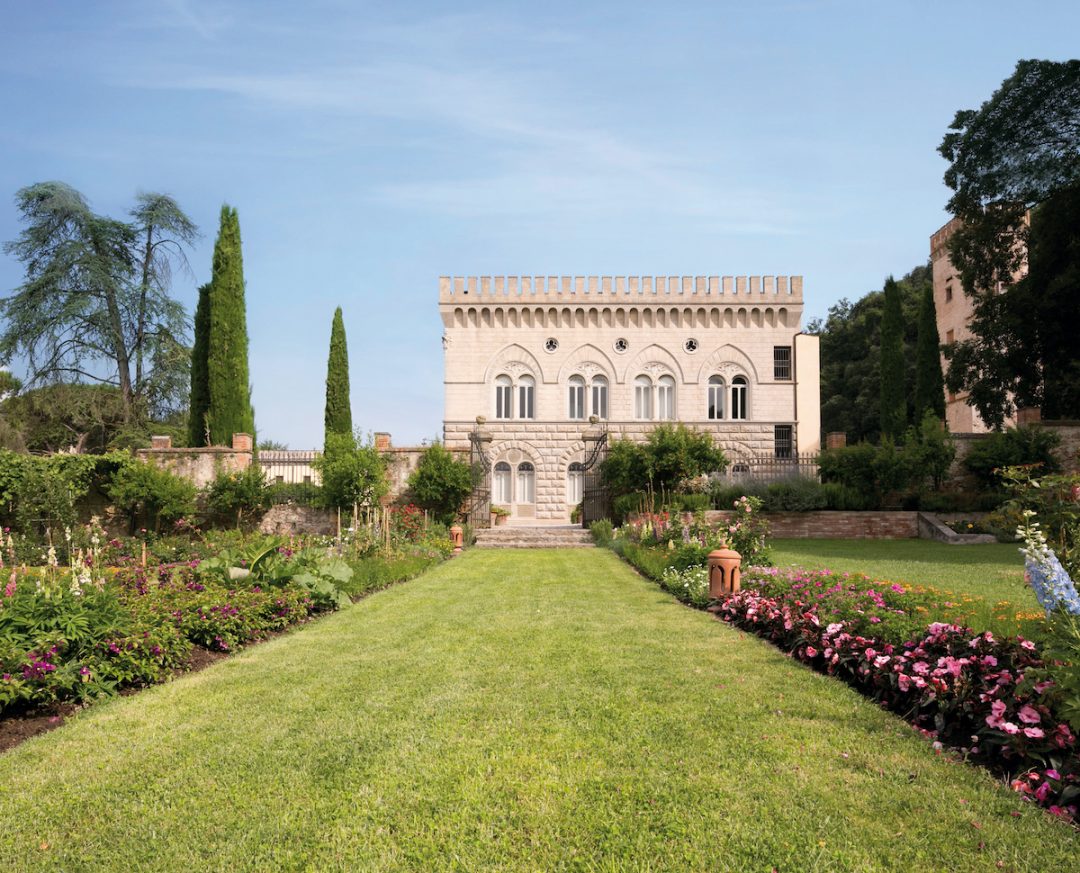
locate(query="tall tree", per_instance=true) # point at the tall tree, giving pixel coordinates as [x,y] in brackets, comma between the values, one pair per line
[929,381]
[338,415]
[199,407]
[95,305]
[227,363]
[894,417]
[1019,150]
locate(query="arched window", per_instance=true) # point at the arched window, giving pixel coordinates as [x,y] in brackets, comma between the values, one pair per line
[526,394]
[738,397]
[504,392]
[500,483]
[599,397]
[665,398]
[577,397]
[575,483]
[526,483]
[717,389]
[643,397]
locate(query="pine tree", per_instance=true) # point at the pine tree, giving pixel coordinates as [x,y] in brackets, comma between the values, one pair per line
[894,416]
[338,417]
[929,380]
[200,377]
[227,362]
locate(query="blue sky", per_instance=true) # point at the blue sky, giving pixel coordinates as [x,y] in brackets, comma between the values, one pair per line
[372,147]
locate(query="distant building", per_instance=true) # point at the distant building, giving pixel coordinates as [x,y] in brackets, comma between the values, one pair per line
[954,310]
[538,362]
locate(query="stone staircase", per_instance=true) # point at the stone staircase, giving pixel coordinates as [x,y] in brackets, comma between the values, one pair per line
[551,537]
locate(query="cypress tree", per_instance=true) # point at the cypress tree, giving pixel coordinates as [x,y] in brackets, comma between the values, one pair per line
[338,417]
[227,362]
[893,395]
[929,381]
[200,377]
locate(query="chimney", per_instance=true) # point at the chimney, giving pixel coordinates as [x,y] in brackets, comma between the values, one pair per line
[241,442]
[161,442]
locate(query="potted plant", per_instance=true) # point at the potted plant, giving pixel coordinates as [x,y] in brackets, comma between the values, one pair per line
[499,515]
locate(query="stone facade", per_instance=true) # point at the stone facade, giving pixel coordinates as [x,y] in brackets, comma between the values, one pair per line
[538,358]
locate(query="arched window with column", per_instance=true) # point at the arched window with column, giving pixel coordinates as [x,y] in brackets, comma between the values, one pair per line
[504,393]
[643,398]
[526,483]
[576,397]
[599,396]
[665,398]
[500,484]
[717,390]
[739,398]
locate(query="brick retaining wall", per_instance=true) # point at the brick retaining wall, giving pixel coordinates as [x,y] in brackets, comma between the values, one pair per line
[826,524]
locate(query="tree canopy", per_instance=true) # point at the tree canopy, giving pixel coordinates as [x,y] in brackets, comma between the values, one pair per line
[338,412]
[229,409]
[894,402]
[851,357]
[1020,150]
[95,305]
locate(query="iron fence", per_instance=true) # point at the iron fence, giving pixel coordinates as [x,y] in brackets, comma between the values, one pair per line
[772,469]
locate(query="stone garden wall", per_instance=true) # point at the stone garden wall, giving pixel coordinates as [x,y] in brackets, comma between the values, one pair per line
[825,524]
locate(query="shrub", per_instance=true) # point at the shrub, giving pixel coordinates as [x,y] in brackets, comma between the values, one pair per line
[352,473]
[670,456]
[690,584]
[798,494]
[301,493]
[601,532]
[1013,447]
[441,483]
[238,494]
[143,489]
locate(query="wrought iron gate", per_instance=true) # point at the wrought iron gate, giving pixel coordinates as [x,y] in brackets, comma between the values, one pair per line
[595,500]
[478,510]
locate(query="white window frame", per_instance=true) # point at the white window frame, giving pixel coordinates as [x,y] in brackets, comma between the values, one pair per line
[526,397]
[740,398]
[526,482]
[576,398]
[502,484]
[504,397]
[665,398]
[716,398]
[575,483]
[643,398]
[600,397]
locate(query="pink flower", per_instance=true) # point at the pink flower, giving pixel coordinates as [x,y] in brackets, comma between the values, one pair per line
[811,652]
[1034,733]
[904,682]
[1053,774]
[1029,715]
[1027,644]
[921,667]
[1010,728]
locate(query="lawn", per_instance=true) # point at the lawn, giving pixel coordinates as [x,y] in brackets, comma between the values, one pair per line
[985,582]
[508,710]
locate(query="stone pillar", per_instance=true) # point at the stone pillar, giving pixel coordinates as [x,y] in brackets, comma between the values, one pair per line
[241,442]
[723,572]
[161,442]
[1028,415]
[382,442]
[837,439]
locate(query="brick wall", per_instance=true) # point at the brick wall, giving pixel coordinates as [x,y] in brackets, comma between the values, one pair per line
[834,524]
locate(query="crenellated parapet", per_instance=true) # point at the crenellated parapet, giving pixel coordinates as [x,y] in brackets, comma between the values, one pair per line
[620,290]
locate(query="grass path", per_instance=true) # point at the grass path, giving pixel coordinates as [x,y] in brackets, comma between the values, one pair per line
[508,711]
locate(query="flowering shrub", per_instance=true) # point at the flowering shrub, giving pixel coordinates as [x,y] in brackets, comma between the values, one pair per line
[690,585]
[1043,571]
[971,691]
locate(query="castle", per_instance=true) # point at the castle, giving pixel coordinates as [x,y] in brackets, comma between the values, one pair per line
[535,365]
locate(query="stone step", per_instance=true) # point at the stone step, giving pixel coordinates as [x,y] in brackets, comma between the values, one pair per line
[533,538]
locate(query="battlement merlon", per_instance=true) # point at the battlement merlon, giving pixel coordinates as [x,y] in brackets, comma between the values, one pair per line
[609,290]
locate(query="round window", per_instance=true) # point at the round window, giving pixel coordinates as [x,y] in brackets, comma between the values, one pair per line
[691,345]
[551,344]
[621,345]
